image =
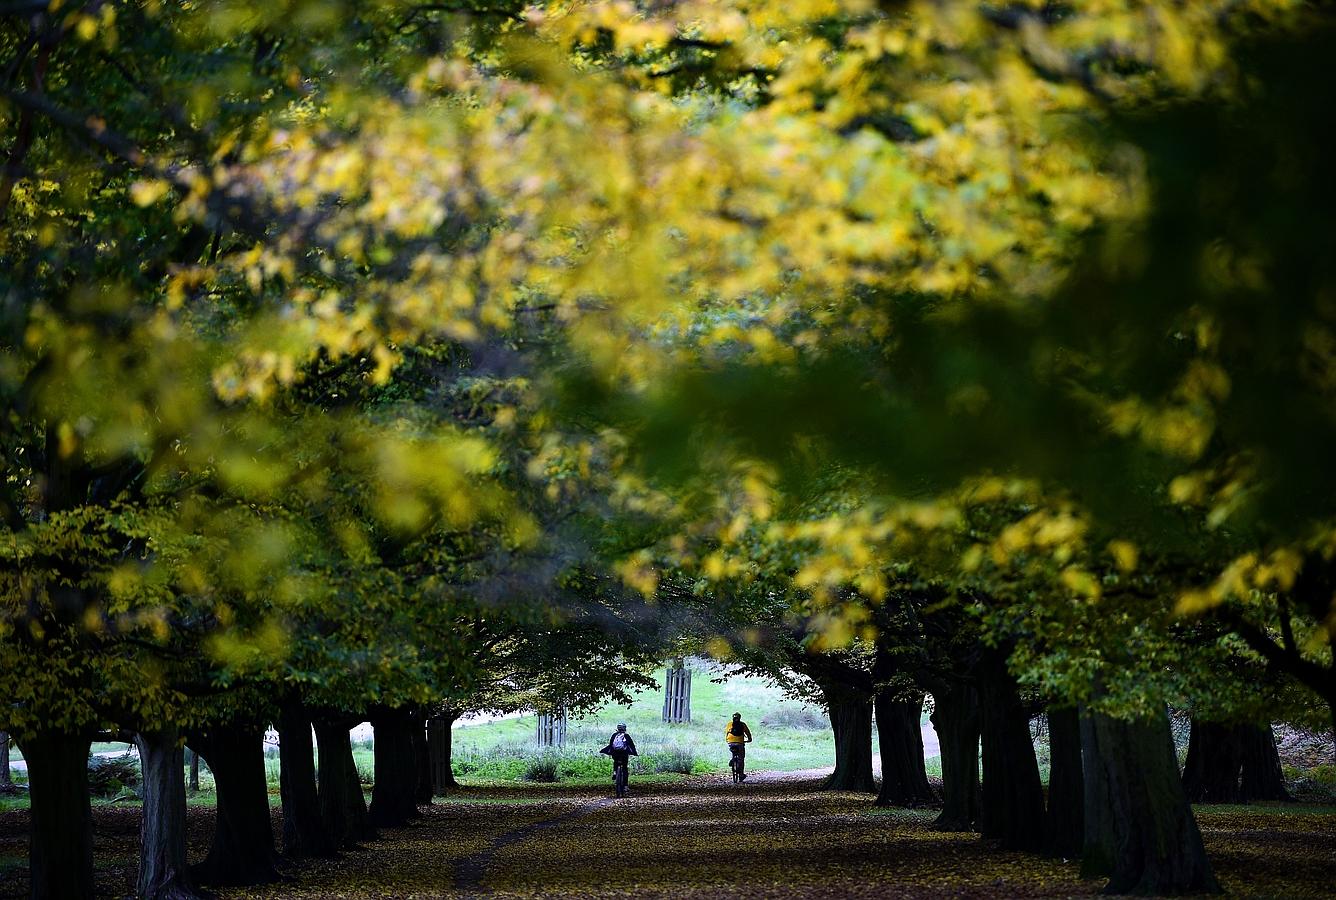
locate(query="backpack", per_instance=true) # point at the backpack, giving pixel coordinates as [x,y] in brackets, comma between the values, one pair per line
[738,728]
[619,741]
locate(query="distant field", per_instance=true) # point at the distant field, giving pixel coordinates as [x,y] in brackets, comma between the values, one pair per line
[788,735]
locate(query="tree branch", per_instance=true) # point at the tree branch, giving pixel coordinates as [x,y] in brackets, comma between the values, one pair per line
[1320,679]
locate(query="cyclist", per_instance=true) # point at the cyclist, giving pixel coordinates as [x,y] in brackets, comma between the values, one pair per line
[738,736]
[621,748]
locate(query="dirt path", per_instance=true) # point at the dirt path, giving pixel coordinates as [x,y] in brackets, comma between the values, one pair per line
[470,871]
[795,776]
[777,835]
[19,765]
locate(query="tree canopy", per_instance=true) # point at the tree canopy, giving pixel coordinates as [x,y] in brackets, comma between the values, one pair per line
[479,354]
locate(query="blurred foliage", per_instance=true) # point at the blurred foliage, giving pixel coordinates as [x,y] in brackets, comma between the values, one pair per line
[350,349]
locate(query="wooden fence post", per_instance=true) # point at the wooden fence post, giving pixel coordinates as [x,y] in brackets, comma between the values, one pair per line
[677,693]
[552,728]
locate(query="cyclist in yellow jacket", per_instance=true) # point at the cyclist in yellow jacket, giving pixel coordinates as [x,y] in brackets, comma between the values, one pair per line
[738,736]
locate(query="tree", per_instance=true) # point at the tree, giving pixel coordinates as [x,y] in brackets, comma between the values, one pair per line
[1130,767]
[6,779]
[1012,807]
[163,871]
[1064,825]
[304,833]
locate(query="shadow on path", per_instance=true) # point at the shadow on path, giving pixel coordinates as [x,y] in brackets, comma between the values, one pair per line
[470,871]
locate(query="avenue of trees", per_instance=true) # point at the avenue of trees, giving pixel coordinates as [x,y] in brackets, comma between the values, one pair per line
[389,361]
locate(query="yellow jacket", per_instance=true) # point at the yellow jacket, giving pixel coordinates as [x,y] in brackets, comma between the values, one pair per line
[737,738]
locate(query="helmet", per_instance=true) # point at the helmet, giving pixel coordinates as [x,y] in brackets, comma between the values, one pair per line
[621,726]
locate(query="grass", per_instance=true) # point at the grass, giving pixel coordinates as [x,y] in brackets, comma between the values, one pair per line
[501,750]
[1207,812]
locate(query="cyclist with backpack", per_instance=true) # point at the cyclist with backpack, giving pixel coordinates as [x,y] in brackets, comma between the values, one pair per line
[738,736]
[621,748]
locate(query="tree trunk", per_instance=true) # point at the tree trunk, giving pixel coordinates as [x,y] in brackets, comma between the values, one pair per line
[303,831]
[1214,763]
[192,760]
[851,720]
[1151,839]
[61,839]
[904,780]
[6,780]
[440,746]
[1232,764]
[422,793]
[342,805]
[1262,775]
[163,873]
[335,804]
[1065,822]
[1098,846]
[393,796]
[242,852]
[955,715]
[363,830]
[1013,793]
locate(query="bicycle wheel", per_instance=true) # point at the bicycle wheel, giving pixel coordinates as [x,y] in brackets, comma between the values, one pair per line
[621,781]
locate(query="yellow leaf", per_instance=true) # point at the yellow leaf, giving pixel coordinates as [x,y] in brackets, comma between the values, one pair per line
[1079,581]
[1193,602]
[1124,554]
[146,192]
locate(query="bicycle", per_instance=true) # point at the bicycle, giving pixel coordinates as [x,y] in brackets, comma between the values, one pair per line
[737,763]
[620,777]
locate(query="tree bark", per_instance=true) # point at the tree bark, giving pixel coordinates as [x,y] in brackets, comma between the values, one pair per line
[303,831]
[851,720]
[956,717]
[422,793]
[163,872]
[1214,763]
[1065,822]
[1263,778]
[1232,764]
[1098,846]
[394,794]
[1153,842]
[6,780]
[61,839]
[440,742]
[335,804]
[904,780]
[192,760]
[342,805]
[242,851]
[1013,793]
